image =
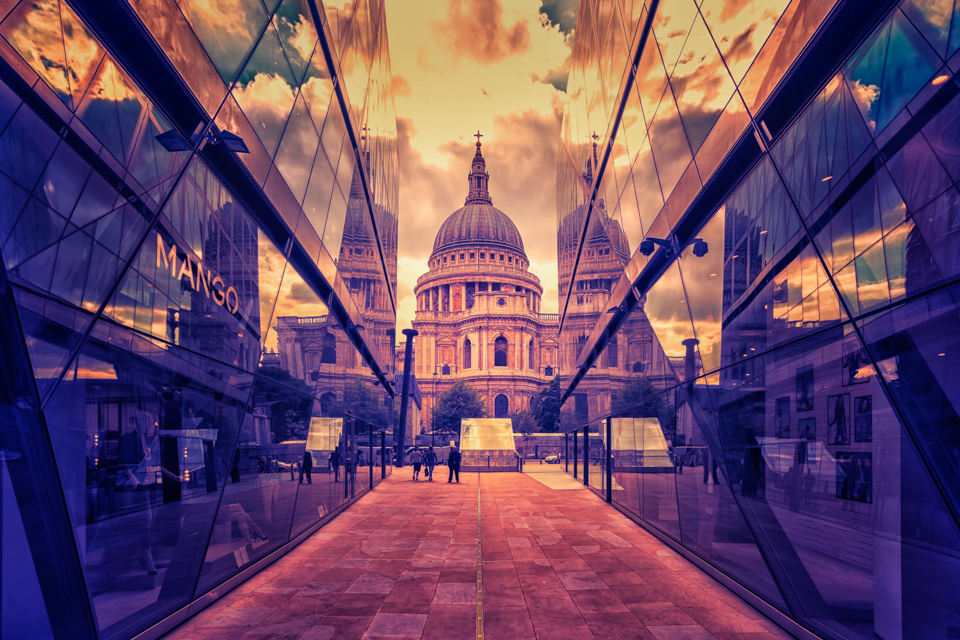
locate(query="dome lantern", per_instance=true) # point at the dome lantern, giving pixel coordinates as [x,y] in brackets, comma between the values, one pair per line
[479,180]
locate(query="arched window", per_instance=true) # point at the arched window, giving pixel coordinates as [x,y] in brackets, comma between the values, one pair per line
[501,406]
[500,352]
[530,356]
[327,402]
[329,355]
[613,353]
[467,354]
[457,302]
[446,370]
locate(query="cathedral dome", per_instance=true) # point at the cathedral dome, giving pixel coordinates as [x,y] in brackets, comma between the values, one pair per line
[478,221]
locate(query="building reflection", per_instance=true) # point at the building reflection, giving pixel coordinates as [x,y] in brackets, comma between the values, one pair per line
[164,285]
[813,407]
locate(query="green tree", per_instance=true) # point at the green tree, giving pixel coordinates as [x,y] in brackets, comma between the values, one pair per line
[545,407]
[524,422]
[288,401]
[458,402]
[641,399]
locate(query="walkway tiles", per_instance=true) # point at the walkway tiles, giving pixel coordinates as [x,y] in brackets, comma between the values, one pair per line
[402,564]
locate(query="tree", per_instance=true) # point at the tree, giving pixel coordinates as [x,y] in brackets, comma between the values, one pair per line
[458,402]
[545,407]
[287,399]
[524,422]
[641,399]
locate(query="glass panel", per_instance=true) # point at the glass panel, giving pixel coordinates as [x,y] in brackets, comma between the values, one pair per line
[701,84]
[298,149]
[35,31]
[932,18]
[729,127]
[914,345]
[52,332]
[672,25]
[195,281]
[266,90]
[666,308]
[143,432]
[889,69]
[25,147]
[175,36]
[821,145]
[112,109]
[702,279]
[794,29]
[23,602]
[710,517]
[741,29]
[226,37]
[670,148]
[298,35]
[256,510]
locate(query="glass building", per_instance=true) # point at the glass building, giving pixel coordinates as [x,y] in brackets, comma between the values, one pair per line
[758,238]
[198,231]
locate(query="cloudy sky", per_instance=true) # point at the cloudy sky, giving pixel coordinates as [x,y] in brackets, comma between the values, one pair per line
[496,66]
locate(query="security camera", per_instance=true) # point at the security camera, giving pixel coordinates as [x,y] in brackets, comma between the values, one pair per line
[700,248]
[647,247]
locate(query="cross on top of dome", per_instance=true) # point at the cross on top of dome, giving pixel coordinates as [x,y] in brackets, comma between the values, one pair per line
[478,180]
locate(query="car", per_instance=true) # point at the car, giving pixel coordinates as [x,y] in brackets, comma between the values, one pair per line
[553,459]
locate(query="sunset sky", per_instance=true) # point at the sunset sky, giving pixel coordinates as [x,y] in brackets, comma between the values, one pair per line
[460,66]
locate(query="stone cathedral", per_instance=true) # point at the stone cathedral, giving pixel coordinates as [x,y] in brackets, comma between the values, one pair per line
[478,309]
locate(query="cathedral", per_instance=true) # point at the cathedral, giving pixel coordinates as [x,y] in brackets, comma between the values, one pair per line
[478,310]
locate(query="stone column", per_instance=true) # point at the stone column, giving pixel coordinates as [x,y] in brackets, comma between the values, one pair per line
[518,363]
[480,348]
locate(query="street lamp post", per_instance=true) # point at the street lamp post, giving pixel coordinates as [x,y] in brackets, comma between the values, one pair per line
[407,364]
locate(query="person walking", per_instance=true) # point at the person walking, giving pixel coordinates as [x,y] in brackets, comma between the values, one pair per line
[453,461]
[416,459]
[335,463]
[431,460]
[306,468]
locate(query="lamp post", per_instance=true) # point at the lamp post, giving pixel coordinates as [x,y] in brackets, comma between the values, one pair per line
[407,358]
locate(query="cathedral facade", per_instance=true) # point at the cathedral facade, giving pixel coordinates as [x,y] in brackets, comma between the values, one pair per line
[478,310]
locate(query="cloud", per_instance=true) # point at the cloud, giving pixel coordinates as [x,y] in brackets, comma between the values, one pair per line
[300,292]
[560,13]
[266,100]
[475,29]
[742,46]
[556,77]
[865,95]
[518,116]
[401,88]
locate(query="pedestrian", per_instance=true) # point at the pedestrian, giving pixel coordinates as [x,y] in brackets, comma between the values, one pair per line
[453,461]
[306,468]
[431,460]
[416,459]
[335,464]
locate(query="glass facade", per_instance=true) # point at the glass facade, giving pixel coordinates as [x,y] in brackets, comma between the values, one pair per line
[198,328]
[757,242]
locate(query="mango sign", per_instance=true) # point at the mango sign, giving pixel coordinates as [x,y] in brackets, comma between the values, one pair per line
[216,285]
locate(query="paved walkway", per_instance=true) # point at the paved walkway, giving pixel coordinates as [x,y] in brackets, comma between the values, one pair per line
[557,563]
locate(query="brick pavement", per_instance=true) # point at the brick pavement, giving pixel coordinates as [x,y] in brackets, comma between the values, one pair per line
[401,563]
